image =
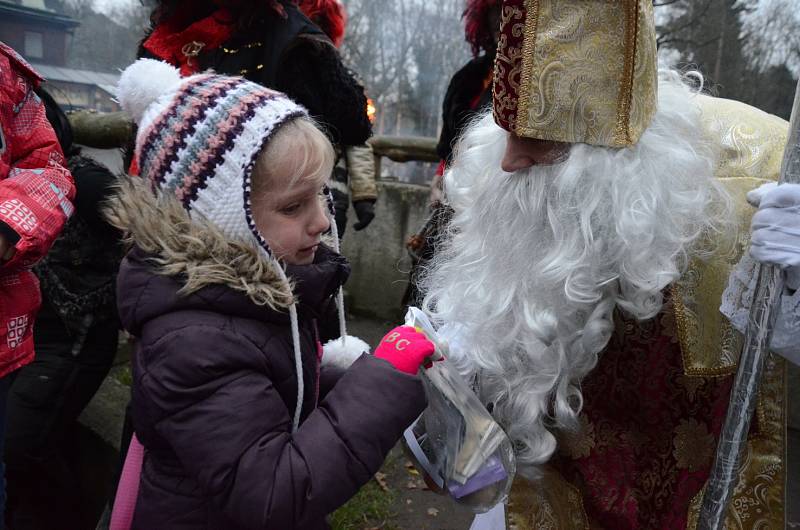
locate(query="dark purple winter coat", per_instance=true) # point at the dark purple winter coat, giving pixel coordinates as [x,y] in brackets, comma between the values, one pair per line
[214,383]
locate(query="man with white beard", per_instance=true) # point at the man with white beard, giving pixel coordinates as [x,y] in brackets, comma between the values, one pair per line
[596,233]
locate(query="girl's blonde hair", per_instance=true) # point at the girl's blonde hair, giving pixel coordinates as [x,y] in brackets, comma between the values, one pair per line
[312,156]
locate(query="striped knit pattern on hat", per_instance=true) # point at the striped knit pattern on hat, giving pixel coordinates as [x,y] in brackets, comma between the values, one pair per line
[202,142]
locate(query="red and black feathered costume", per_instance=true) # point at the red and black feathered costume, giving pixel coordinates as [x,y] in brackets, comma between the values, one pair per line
[279,47]
[329,15]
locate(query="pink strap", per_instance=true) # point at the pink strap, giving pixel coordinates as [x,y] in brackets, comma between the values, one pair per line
[128,488]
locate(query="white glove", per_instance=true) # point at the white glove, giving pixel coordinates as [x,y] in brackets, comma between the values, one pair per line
[776,228]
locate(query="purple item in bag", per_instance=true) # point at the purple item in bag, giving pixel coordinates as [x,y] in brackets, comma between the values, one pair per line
[491,473]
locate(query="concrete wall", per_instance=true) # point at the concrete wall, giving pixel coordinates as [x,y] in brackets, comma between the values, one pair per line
[378,255]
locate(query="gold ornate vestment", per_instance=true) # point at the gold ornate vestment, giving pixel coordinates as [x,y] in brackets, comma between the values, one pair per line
[750,147]
[576,70]
[585,71]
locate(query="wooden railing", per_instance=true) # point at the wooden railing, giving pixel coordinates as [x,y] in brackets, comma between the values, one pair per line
[403,149]
[110,130]
[103,130]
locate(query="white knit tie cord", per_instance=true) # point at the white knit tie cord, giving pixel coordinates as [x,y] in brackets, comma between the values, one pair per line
[298,366]
[298,359]
[340,293]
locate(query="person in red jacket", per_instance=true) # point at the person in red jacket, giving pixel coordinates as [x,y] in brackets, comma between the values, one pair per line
[36,191]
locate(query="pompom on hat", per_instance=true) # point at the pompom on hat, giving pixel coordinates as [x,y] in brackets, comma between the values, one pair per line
[135,96]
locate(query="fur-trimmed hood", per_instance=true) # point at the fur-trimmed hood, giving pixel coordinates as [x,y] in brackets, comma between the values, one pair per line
[193,258]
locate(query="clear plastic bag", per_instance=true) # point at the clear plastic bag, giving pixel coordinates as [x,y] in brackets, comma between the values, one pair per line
[456,443]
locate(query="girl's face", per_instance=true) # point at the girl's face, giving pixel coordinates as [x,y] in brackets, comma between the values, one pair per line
[290,211]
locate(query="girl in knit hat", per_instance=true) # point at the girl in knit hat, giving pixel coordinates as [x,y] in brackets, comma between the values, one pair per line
[229,288]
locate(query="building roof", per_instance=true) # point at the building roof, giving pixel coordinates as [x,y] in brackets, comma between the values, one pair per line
[107,82]
[36,4]
[26,10]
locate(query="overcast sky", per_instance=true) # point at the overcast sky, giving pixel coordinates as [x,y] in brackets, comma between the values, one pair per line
[107,5]
[103,5]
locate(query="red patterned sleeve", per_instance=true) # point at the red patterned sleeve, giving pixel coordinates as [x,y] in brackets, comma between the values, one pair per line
[36,195]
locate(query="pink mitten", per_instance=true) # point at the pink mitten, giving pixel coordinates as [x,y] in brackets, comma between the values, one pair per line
[405,348]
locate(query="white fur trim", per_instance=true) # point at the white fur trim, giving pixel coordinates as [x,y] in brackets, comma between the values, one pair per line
[341,355]
[142,83]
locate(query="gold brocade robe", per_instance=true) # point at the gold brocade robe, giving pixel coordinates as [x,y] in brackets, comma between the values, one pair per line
[655,403]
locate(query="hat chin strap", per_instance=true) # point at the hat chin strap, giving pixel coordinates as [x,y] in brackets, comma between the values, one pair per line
[298,360]
[340,292]
[298,366]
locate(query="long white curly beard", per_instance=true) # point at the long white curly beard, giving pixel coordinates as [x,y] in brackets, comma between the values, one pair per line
[536,261]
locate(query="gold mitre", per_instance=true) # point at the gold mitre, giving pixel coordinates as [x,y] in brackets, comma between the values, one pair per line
[576,70]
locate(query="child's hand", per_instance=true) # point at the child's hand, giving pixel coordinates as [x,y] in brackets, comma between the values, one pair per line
[405,348]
